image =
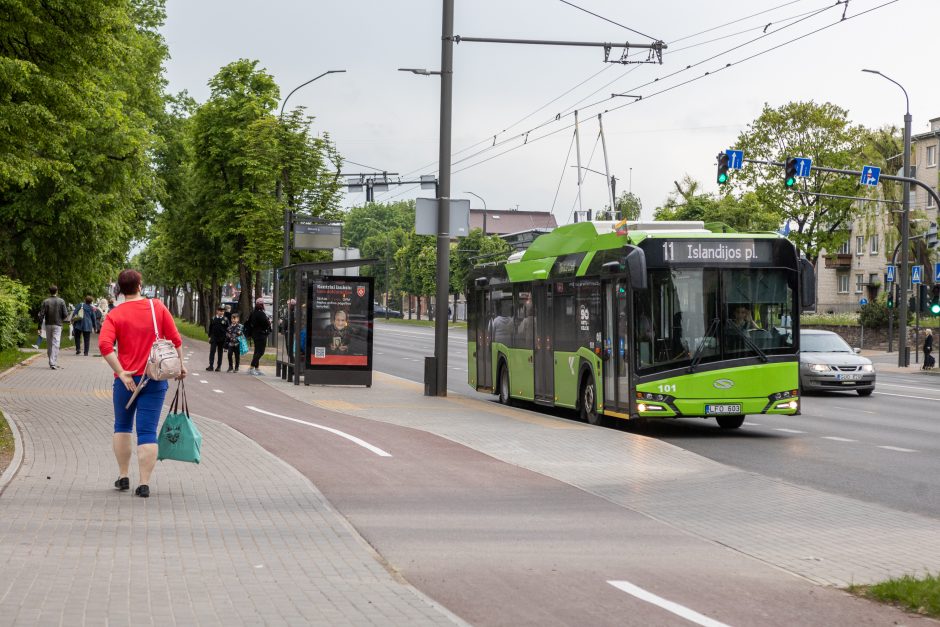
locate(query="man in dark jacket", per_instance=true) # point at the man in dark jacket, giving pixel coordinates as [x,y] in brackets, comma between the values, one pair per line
[53,314]
[217,330]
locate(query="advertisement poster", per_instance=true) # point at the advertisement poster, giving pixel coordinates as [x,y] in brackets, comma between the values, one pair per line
[340,322]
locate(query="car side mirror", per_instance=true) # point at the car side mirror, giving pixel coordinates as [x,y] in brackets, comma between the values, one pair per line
[858,351]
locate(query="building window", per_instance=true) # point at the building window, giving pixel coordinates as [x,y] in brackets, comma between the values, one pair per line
[843,284]
[860,245]
[873,241]
[929,201]
[859,282]
[845,249]
[931,156]
[873,278]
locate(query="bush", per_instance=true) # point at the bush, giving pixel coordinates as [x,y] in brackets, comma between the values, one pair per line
[875,314]
[15,324]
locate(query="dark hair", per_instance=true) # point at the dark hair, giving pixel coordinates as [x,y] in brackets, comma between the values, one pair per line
[53,289]
[129,282]
[88,298]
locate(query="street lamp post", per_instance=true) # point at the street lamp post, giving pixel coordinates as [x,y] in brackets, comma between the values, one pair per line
[484,209]
[905,227]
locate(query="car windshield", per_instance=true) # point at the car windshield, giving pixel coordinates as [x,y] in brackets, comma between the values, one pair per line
[823,343]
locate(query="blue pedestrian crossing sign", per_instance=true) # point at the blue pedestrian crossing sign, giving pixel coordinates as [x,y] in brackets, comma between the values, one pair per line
[735,159]
[891,271]
[870,175]
[803,166]
[936,273]
[863,301]
[917,274]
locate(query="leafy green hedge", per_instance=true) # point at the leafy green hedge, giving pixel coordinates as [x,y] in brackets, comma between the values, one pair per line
[14,313]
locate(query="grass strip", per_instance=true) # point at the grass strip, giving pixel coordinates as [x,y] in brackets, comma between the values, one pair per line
[190,330]
[460,324]
[9,357]
[920,595]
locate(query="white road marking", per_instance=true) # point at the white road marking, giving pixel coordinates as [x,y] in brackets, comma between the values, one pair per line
[837,439]
[922,398]
[669,606]
[341,434]
[753,424]
[218,391]
[202,381]
[898,449]
[789,430]
[911,387]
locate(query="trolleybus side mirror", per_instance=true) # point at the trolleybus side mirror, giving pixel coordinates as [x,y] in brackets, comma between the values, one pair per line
[636,263]
[481,281]
[807,285]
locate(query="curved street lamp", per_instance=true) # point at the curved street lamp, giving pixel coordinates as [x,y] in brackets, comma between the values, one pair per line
[484,210]
[905,226]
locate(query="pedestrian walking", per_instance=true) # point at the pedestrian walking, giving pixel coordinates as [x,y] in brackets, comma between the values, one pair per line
[217,328]
[131,327]
[83,323]
[233,344]
[257,328]
[928,350]
[53,315]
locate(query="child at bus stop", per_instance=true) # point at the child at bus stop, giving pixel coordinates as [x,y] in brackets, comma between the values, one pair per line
[232,334]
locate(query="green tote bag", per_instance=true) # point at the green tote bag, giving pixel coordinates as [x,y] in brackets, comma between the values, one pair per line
[179,438]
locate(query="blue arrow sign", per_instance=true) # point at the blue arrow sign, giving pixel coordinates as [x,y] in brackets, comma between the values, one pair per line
[917,274]
[891,270]
[870,175]
[803,166]
[735,159]
[863,301]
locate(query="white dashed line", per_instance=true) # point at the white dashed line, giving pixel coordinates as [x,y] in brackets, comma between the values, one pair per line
[341,434]
[898,449]
[752,424]
[670,606]
[837,439]
[789,430]
[202,381]
[218,391]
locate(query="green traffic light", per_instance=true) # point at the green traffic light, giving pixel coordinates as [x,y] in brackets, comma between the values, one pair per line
[790,182]
[722,178]
[935,309]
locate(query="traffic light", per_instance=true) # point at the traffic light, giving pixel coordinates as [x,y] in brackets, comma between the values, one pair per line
[890,302]
[922,298]
[935,300]
[722,168]
[789,178]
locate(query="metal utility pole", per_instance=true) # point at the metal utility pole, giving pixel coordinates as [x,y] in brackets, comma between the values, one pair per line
[610,182]
[905,227]
[443,199]
[577,141]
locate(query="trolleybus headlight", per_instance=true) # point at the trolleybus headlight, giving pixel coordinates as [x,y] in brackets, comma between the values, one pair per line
[793,404]
[819,368]
[644,407]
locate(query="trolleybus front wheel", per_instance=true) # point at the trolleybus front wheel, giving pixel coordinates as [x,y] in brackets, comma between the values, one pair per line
[588,406]
[730,422]
[503,390]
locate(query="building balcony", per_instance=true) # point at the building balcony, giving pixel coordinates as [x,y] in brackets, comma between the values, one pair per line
[838,260]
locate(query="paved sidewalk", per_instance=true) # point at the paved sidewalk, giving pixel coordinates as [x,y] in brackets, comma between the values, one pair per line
[826,538]
[242,538]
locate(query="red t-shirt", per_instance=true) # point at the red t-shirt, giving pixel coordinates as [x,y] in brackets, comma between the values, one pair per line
[131,326]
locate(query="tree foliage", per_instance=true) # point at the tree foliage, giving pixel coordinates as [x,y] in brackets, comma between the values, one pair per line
[744,214]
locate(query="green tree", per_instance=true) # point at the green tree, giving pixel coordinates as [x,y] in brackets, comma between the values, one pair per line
[471,251]
[804,129]
[629,206]
[80,87]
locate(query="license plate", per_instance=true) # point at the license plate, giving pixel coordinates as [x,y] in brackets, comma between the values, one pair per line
[848,377]
[723,409]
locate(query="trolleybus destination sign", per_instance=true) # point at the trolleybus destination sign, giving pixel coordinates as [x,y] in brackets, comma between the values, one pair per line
[714,252]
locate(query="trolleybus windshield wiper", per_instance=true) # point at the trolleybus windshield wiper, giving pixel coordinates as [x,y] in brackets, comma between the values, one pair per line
[710,332]
[751,344]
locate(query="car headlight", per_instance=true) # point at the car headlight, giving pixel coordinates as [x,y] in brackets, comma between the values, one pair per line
[868,368]
[819,368]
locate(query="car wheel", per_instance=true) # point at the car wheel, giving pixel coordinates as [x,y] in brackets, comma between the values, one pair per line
[730,422]
[865,392]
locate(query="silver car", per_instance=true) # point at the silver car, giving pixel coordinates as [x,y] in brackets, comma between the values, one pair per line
[827,363]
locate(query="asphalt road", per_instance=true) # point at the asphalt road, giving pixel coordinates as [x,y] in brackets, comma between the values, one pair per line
[882,449]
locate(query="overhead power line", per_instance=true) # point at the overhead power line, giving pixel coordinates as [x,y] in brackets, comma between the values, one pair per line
[571,4]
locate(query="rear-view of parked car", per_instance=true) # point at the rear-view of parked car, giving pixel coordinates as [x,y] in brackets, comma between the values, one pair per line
[828,363]
[380,312]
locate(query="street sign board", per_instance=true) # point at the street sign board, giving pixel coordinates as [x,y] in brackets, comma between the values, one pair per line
[870,175]
[917,274]
[891,271]
[803,166]
[317,236]
[936,273]
[863,301]
[426,217]
[735,159]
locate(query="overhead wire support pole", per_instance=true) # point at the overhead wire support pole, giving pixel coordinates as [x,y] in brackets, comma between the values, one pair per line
[656,48]
[610,186]
[577,140]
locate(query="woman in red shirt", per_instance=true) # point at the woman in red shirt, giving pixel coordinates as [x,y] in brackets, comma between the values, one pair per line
[130,326]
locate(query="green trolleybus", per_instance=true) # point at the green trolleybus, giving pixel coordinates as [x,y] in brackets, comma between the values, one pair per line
[643,320]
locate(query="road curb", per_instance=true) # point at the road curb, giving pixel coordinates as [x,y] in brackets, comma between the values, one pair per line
[17,460]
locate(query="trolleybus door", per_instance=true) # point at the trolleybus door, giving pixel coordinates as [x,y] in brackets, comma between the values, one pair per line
[484,328]
[544,356]
[616,346]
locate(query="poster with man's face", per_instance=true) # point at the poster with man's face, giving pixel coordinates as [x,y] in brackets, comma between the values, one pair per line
[340,319]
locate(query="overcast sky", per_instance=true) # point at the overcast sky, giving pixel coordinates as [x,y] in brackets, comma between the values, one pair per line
[388,120]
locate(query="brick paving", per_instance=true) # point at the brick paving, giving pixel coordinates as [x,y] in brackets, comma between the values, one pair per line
[826,538]
[242,538]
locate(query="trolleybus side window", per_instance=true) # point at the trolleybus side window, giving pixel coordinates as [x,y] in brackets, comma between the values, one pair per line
[524,320]
[501,320]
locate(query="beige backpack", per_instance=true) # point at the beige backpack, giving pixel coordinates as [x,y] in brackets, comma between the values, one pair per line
[164,362]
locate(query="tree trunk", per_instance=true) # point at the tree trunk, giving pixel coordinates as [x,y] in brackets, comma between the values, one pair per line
[188,313]
[245,302]
[258,286]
